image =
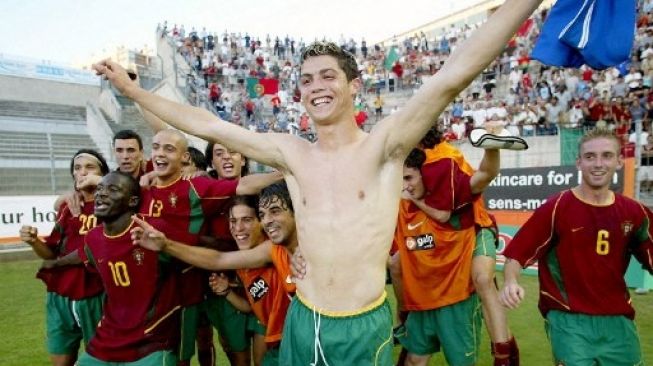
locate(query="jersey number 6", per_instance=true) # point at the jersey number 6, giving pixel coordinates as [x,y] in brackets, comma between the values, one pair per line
[602,243]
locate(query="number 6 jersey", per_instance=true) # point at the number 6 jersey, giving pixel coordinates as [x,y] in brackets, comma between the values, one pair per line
[583,252]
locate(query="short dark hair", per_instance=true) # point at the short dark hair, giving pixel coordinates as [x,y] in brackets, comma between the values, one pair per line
[197,158]
[104,167]
[128,135]
[415,159]
[346,60]
[133,185]
[432,138]
[250,201]
[208,154]
[277,191]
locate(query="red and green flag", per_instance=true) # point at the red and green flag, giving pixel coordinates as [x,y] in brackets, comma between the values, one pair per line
[257,87]
[391,58]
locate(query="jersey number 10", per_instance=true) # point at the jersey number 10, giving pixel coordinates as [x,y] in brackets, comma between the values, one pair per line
[119,273]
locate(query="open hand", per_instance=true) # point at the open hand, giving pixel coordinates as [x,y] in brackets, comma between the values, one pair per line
[298,265]
[147,236]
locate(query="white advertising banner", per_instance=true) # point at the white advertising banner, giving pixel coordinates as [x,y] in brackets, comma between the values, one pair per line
[46,71]
[17,211]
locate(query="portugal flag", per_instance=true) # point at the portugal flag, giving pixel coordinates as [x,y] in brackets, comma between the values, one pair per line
[257,87]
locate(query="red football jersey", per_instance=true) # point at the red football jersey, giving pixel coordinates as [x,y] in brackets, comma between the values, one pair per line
[267,295]
[446,175]
[583,252]
[140,314]
[448,189]
[181,210]
[74,282]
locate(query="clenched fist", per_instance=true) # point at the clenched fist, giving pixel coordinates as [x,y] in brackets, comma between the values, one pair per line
[29,234]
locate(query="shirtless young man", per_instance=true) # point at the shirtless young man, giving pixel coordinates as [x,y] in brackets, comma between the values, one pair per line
[346,186]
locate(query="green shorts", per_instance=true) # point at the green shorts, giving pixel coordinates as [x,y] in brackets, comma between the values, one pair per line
[361,338]
[455,328]
[254,325]
[271,357]
[229,321]
[486,243]
[581,339]
[68,322]
[158,358]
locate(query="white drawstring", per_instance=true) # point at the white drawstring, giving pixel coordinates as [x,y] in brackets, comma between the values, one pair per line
[317,344]
[73,308]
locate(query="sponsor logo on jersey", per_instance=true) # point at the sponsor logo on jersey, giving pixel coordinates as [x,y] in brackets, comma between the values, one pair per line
[420,242]
[415,226]
[258,289]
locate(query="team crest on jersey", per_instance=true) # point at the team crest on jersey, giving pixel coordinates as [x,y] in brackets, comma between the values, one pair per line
[258,288]
[626,227]
[139,256]
[420,242]
[172,198]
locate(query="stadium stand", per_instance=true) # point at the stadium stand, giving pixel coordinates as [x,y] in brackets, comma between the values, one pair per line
[213,70]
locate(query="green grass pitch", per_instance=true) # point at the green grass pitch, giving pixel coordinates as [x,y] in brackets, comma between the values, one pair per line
[23,328]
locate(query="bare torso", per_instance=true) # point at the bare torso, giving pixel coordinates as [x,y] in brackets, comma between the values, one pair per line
[346,201]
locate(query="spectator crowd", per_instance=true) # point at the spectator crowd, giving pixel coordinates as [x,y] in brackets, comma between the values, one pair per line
[529,98]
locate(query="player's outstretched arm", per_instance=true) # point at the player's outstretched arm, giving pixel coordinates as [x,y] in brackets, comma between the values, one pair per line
[512,293]
[254,183]
[404,129]
[265,148]
[156,124]
[150,238]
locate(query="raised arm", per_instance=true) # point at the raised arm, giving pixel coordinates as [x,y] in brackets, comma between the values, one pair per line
[155,123]
[403,130]
[254,183]
[488,169]
[29,235]
[265,148]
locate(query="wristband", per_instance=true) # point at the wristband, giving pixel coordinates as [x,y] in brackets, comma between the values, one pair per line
[223,293]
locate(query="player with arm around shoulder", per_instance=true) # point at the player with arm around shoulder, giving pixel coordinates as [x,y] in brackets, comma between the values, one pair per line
[74,294]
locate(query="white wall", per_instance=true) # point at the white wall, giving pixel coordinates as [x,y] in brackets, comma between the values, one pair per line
[45,91]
